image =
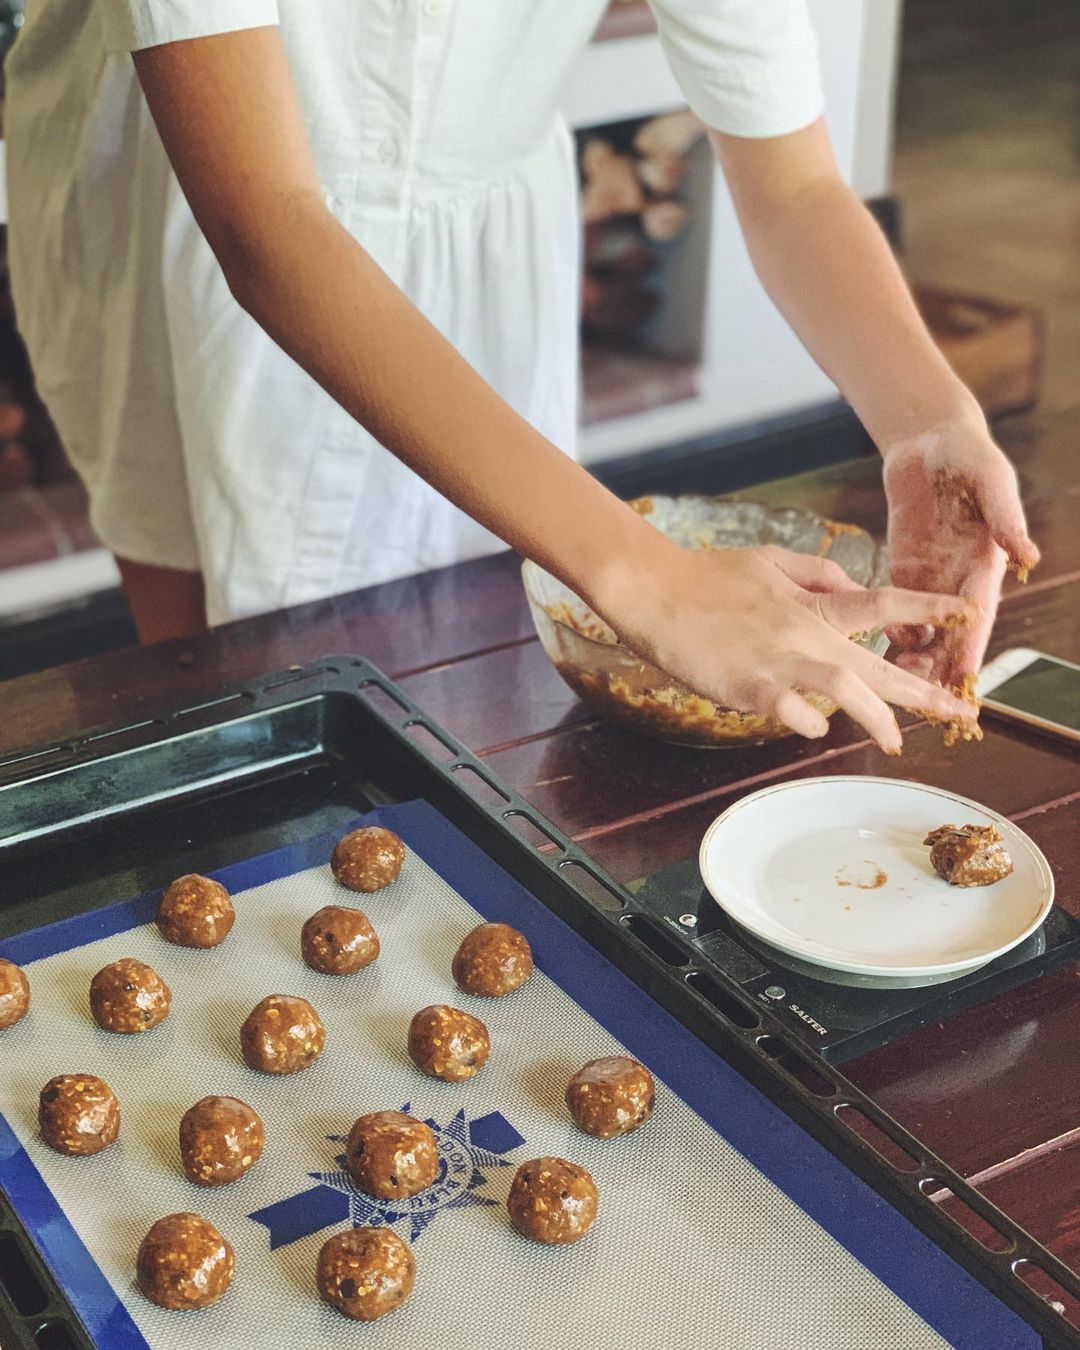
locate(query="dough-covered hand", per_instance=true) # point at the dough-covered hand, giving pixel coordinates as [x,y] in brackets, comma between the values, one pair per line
[955,523]
[754,629]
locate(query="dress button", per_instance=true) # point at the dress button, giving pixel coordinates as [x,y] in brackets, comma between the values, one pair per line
[434,7]
[388,150]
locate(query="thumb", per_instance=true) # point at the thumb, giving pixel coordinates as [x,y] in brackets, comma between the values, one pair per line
[999,501]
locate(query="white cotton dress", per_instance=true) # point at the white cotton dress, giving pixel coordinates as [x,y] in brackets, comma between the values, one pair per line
[436,133]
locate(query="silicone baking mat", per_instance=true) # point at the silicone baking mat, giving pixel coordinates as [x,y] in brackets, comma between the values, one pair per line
[721,1222]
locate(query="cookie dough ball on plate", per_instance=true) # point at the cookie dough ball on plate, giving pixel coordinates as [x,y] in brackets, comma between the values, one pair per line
[129,996]
[195,911]
[493,960]
[391,1155]
[184,1262]
[447,1043]
[14,994]
[552,1201]
[78,1114]
[367,859]
[220,1139]
[338,941]
[611,1096]
[365,1272]
[282,1034]
[968,855]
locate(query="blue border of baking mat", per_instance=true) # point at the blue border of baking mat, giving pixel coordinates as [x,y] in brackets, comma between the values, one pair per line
[926,1278]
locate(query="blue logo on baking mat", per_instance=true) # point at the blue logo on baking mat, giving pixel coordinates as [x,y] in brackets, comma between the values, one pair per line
[467,1149]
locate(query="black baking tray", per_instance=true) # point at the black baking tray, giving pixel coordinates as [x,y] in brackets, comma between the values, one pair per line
[128,808]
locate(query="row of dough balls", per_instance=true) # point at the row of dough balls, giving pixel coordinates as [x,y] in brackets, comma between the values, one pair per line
[184,1262]
[129,996]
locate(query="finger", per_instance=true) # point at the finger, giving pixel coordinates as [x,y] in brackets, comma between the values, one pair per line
[961,650]
[920,664]
[809,572]
[857,699]
[863,611]
[999,501]
[772,699]
[902,688]
[793,710]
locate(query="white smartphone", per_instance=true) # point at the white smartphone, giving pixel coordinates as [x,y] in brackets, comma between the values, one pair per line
[1031,687]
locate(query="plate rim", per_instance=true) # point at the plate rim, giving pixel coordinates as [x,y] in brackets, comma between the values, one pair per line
[864,968]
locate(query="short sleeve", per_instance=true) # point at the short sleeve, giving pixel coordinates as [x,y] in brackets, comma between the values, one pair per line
[131,25]
[746,67]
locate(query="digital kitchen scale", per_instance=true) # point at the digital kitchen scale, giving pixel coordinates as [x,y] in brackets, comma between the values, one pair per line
[836,1019]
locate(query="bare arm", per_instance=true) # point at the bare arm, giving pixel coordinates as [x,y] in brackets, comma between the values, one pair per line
[824,261]
[742,628]
[954,508]
[240,151]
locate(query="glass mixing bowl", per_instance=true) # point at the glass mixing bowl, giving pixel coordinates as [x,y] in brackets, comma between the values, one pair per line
[612,679]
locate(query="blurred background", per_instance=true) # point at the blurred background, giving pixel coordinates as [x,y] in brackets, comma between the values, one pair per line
[957,121]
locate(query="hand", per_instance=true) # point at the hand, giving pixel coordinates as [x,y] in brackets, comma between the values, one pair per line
[955,522]
[755,628]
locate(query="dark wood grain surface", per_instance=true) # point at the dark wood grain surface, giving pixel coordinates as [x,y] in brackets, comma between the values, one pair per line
[995,1090]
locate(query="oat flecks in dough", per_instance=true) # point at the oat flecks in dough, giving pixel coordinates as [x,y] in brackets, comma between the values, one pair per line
[448,1043]
[184,1263]
[552,1201]
[968,855]
[954,730]
[365,1273]
[14,994]
[611,1096]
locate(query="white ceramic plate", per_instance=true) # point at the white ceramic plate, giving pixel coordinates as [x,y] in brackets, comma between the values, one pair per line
[833,871]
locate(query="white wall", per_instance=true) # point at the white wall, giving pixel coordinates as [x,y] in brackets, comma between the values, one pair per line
[754,367]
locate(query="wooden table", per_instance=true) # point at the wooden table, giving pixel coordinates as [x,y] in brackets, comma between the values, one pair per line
[995,1091]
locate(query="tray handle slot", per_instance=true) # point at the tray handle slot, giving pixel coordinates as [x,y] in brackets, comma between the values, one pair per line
[382,699]
[800,1068]
[651,935]
[26,758]
[1039,1280]
[726,1004]
[876,1138]
[587,883]
[966,1216]
[100,736]
[528,828]
[428,740]
[479,787]
[55,1336]
[242,697]
[300,675]
[18,1281]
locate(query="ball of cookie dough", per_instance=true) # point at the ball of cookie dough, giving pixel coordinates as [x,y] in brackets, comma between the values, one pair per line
[969,855]
[493,960]
[195,911]
[447,1043]
[365,1272]
[184,1262]
[338,941]
[129,996]
[552,1201]
[14,994]
[220,1138]
[391,1155]
[611,1096]
[282,1034]
[368,859]
[78,1114]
